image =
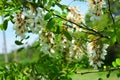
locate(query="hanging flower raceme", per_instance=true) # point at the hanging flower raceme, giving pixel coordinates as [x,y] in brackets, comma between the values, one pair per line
[29,20]
[95,9]
[75,16]
[20,24]
[96,53]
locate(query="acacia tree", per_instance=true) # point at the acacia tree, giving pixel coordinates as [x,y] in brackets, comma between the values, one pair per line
[66,31]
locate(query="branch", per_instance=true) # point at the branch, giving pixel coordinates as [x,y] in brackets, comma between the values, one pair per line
[83,31]
[97,71]
[83,27]
[109,8]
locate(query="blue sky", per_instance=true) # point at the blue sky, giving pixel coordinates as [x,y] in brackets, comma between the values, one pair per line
[10,33]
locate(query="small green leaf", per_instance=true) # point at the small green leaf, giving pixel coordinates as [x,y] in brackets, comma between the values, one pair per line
[50,3]
[59,27]
[113,39]
[61,6]
[44,2]
[18,42]
[56,12]
[5,24]
[118,61]
[118,38]
[69,37]
[48,15]
[114,64]
[51,24]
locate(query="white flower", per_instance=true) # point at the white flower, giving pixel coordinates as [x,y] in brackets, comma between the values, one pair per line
[90,48]
[70,16]
[104,51]
[73,41]
[95,9]
[52,50]
[51,40]
[96,53]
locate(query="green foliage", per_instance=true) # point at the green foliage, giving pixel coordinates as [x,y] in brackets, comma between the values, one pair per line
[100,79]
[48,16]
[118,74]
[50,24]
[67,35]
[32,64]
[108,75]
[18,42]
[4,25]
[41,69]
[116,63]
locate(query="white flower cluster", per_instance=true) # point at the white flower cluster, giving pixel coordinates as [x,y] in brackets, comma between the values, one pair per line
[50,44]
[28,20]
[75,16]
[95,8]
[75,50]
[96,53]
[33,20]
[47,42]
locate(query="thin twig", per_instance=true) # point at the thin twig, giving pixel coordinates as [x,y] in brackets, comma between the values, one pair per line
[83,27]
[109,8]
[81,31]
[97,71]
[71,2]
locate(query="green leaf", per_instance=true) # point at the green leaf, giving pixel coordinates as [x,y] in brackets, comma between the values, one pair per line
[118,61]
[48,16]
[64,14]
[114,64]
[62,6]
[56,12]
[51,23]
[59,27]
[117,36]
[44,2]
[1,26]
[69,37]
[113,39]
[5,24]
[18,42]
[108,75]
[50,3]
[1,2]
